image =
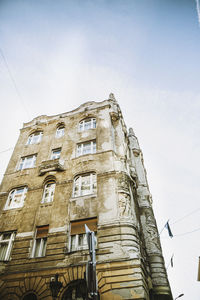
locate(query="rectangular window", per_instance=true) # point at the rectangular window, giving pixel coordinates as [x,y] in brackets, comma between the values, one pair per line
[27,162]
[40,242]
[78,239]
[55,153]
[6,242]
[86,148]
[85,184]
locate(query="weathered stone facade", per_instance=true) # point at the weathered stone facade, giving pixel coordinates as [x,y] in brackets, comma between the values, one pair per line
[130,264]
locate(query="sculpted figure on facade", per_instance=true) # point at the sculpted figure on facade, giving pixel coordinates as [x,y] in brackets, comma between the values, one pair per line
[124,205]
[152,238]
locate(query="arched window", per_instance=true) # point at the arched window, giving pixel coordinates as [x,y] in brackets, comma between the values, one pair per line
[84,184]
[16,198]
[76,290]
[48,193]
[86,124]
[30,296]
[34,138]
[60,131]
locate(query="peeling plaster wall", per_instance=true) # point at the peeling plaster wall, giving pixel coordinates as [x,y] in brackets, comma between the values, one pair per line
[129,257]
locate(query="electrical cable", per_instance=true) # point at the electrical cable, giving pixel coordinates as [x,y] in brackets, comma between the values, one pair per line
[6,150]
[13,81]
[189,232]
[191,213]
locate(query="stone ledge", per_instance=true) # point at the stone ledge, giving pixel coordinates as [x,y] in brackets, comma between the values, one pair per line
[50,165]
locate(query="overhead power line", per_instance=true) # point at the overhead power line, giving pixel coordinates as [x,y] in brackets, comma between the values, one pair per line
[189,232]
[6,150]
[182,218]
[13,81]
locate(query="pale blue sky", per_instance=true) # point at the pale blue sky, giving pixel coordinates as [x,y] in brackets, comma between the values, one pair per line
[64,53]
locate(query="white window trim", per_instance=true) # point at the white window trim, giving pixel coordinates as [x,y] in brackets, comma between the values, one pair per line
[10,243]
[31,138]
[40,249]
[80,184]
[92,122]
[23,162]
[81,147]
[58,131]
[50,197]
[56,155]
[77,246]
[23,196]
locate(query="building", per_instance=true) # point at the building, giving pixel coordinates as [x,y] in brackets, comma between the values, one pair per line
[76,168]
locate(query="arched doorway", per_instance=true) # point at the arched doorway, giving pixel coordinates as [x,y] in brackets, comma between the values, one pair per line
[76,290]
[30,296]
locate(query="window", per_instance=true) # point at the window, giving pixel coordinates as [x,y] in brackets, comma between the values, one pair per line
[16,198]
[40,242]
[78,239]
[27,162]
[55,153]
[35,138]
[86,148]
[6,242]
[84,184]
[76,290]
[48,192]
[87,124]
[60,131]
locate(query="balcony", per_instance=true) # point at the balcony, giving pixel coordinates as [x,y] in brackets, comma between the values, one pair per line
[51,165]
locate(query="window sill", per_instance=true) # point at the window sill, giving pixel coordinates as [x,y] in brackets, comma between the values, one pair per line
[18,208]
[12,209]
[78,251]
[46,204]
[28,145]
[25,170]
[83,197]
[86,130]
[39,257]
[86,156]
[85,250]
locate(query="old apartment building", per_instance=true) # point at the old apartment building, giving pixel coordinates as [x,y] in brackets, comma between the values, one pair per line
[76,168]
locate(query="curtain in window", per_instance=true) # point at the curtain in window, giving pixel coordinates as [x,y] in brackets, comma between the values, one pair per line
[3,250]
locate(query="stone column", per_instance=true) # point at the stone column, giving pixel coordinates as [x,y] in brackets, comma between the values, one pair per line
[158,274]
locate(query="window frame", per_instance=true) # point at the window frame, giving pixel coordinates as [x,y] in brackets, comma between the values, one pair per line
[9,242]
[31,137]
[23,161]
[60,131]
[42,242]
[79,230]
[77,245]
[57,156]
[13,194]
[92,184]
[80,146]
[82,124]
[51,193]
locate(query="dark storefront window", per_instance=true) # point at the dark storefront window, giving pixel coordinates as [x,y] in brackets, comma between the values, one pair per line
[30,296]
[76,290]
